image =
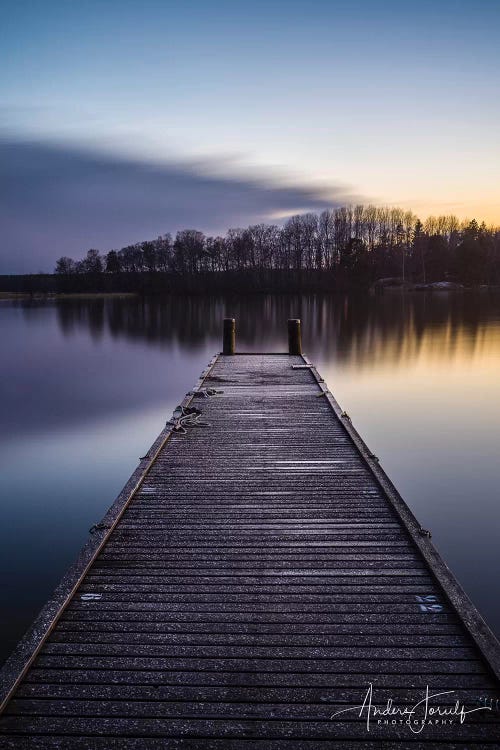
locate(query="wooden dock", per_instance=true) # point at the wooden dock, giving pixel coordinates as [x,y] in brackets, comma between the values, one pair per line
[252,579]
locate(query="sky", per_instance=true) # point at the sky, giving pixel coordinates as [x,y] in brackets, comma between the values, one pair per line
[122,120]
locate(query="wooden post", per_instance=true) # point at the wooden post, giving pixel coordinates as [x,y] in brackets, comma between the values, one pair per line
[294,337]
[229,336]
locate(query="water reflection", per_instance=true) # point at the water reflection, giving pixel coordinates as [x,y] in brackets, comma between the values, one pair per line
[358,331]
[87,386]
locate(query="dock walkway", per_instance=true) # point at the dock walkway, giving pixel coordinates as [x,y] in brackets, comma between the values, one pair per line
[251,581]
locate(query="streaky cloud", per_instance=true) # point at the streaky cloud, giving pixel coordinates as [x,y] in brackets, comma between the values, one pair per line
[61,200]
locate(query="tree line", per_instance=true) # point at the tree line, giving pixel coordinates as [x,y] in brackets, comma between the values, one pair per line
[354,245]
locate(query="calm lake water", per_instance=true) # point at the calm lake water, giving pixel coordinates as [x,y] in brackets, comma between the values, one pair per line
[87,385]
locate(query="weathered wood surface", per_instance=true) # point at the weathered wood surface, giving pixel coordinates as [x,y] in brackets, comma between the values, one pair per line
[259,575]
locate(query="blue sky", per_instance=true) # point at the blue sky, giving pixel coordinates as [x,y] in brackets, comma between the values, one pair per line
[393,102]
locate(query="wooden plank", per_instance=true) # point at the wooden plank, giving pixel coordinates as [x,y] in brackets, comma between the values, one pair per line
[309,664]
[201,728]
[40,742]
[120,636]
[352,629]
[163,709]
[266,617]
[214,693]
[331,654]
[403,679]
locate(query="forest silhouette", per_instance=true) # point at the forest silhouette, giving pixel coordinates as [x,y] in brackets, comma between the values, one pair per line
[351,247]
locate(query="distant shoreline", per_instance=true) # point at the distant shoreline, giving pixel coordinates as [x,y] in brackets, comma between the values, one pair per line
[63,295]
[394,289]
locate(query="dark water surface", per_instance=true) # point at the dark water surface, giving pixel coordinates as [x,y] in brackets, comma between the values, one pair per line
[86,385]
